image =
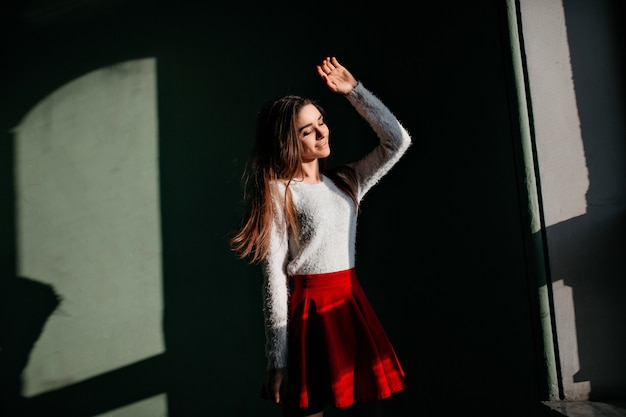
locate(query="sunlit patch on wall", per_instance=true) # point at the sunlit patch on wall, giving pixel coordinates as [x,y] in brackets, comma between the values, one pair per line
[88,223]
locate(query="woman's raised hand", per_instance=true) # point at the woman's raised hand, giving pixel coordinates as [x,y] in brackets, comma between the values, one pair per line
[337,77]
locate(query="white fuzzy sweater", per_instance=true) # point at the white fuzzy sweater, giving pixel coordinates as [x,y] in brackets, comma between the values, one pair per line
[328,222]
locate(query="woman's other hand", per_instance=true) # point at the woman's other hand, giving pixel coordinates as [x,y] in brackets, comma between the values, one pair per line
[275,384]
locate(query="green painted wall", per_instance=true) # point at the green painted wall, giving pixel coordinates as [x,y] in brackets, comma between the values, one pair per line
[441,240]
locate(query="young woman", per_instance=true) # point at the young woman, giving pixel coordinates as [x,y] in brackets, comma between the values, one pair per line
[324,342]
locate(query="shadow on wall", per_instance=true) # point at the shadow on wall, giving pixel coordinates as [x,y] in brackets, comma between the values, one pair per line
[587,252]
[25,307]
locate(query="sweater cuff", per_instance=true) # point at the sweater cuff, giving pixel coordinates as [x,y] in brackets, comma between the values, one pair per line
[357,91]
[277,349]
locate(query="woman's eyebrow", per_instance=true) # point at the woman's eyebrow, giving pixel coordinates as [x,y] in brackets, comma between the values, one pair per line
[310,124]
[304,127]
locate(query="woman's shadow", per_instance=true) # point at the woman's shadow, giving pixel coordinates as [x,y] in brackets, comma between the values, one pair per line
[25,306]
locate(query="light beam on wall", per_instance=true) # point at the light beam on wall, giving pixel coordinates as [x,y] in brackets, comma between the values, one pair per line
[88,223]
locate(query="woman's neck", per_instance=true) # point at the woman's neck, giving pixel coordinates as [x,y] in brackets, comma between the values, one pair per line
[311,172]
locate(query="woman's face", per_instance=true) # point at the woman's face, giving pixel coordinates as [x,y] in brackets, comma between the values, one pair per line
[312,133]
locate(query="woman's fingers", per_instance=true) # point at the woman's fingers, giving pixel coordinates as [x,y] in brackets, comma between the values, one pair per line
[329,64]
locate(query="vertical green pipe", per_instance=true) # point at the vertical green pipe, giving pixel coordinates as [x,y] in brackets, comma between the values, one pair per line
[538,255]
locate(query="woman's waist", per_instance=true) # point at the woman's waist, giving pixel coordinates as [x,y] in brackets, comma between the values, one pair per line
[341,278]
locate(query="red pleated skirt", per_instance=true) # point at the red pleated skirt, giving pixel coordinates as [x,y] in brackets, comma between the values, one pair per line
[339,352]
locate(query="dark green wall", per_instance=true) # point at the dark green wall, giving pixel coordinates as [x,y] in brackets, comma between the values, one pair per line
[441,239]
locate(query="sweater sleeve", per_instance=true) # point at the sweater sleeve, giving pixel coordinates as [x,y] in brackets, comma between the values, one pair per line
[275,293]
[394,138]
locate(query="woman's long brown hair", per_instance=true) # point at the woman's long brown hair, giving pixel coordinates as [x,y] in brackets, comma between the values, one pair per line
[276,157]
